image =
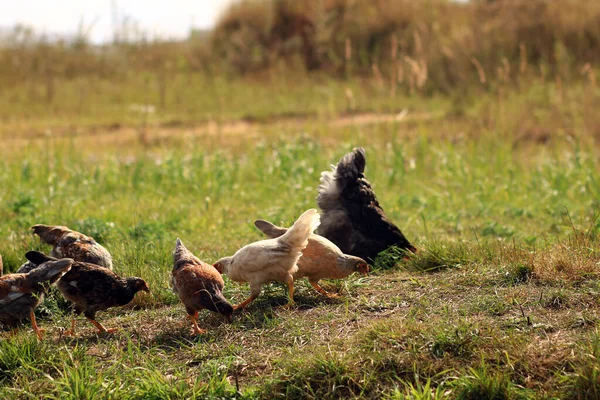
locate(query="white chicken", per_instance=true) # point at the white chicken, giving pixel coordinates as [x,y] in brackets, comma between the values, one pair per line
[270,260]
[321,259]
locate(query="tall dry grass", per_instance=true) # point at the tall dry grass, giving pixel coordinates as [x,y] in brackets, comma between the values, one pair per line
[431,44]
[405,46]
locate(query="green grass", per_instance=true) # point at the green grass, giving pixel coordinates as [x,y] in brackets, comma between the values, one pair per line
[500,302]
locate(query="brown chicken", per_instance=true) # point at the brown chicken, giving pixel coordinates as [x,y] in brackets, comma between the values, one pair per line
[321,259]
[68,243]
[271,259]
[20,294]
[92,288]
[198,285]
[28,266]
[351,216]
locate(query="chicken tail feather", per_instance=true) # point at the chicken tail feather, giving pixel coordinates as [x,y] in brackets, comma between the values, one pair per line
[351,167]
[50,270]
[50,234]
[181,255]
[297,236]
[347,172]
[269,229]
[37,257]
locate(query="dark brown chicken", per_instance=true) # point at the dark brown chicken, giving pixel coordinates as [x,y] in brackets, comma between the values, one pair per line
[92,288]
[68,243]
[351,216]
[321,259]
[199,286]
[20,294]
[28,265]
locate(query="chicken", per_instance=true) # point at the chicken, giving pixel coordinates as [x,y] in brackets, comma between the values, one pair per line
[20,294]
[321,259]
[72,244]
[92,288]
[271,259]
[351,216]
[28,265]
[198,285]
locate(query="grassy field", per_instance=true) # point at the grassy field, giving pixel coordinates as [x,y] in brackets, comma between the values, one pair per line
[498,190]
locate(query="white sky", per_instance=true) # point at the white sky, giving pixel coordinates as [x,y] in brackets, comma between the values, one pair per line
[162,18]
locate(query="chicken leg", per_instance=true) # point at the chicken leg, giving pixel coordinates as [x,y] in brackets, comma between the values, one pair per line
[290,284]
[98,325]
[325,293]
[197,329]
[244,303]
[34,325]
[254,292]
[71,332]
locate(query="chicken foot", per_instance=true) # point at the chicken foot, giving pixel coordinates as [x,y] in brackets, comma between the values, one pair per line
[254,292]
[71,332]
[244,303]
[325,293]
[197,329]
[101,329]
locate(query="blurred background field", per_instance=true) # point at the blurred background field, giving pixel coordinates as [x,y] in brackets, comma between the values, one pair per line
[480,123]
[282,58]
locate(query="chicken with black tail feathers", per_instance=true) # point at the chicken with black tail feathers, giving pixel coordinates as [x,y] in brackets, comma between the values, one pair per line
[351,216]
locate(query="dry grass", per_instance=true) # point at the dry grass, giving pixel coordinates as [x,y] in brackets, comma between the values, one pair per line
[388,329]
[410,44]
[572,261]
[407,47]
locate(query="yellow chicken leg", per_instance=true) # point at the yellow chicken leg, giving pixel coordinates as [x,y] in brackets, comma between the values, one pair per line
[71,332]
[34,325]
[197,329]
[244,303]
[101,329]
[290,285]
[325,293]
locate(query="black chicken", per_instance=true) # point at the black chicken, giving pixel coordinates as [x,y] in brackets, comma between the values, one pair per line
[350,213]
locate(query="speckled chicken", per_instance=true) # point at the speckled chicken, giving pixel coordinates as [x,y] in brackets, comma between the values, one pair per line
[68,243]
[351,216]
[92,288]
[271,259]
[198,285]
[20,294]
[321,259]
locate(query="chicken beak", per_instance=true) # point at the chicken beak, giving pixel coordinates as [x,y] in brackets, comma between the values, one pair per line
[364,270]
